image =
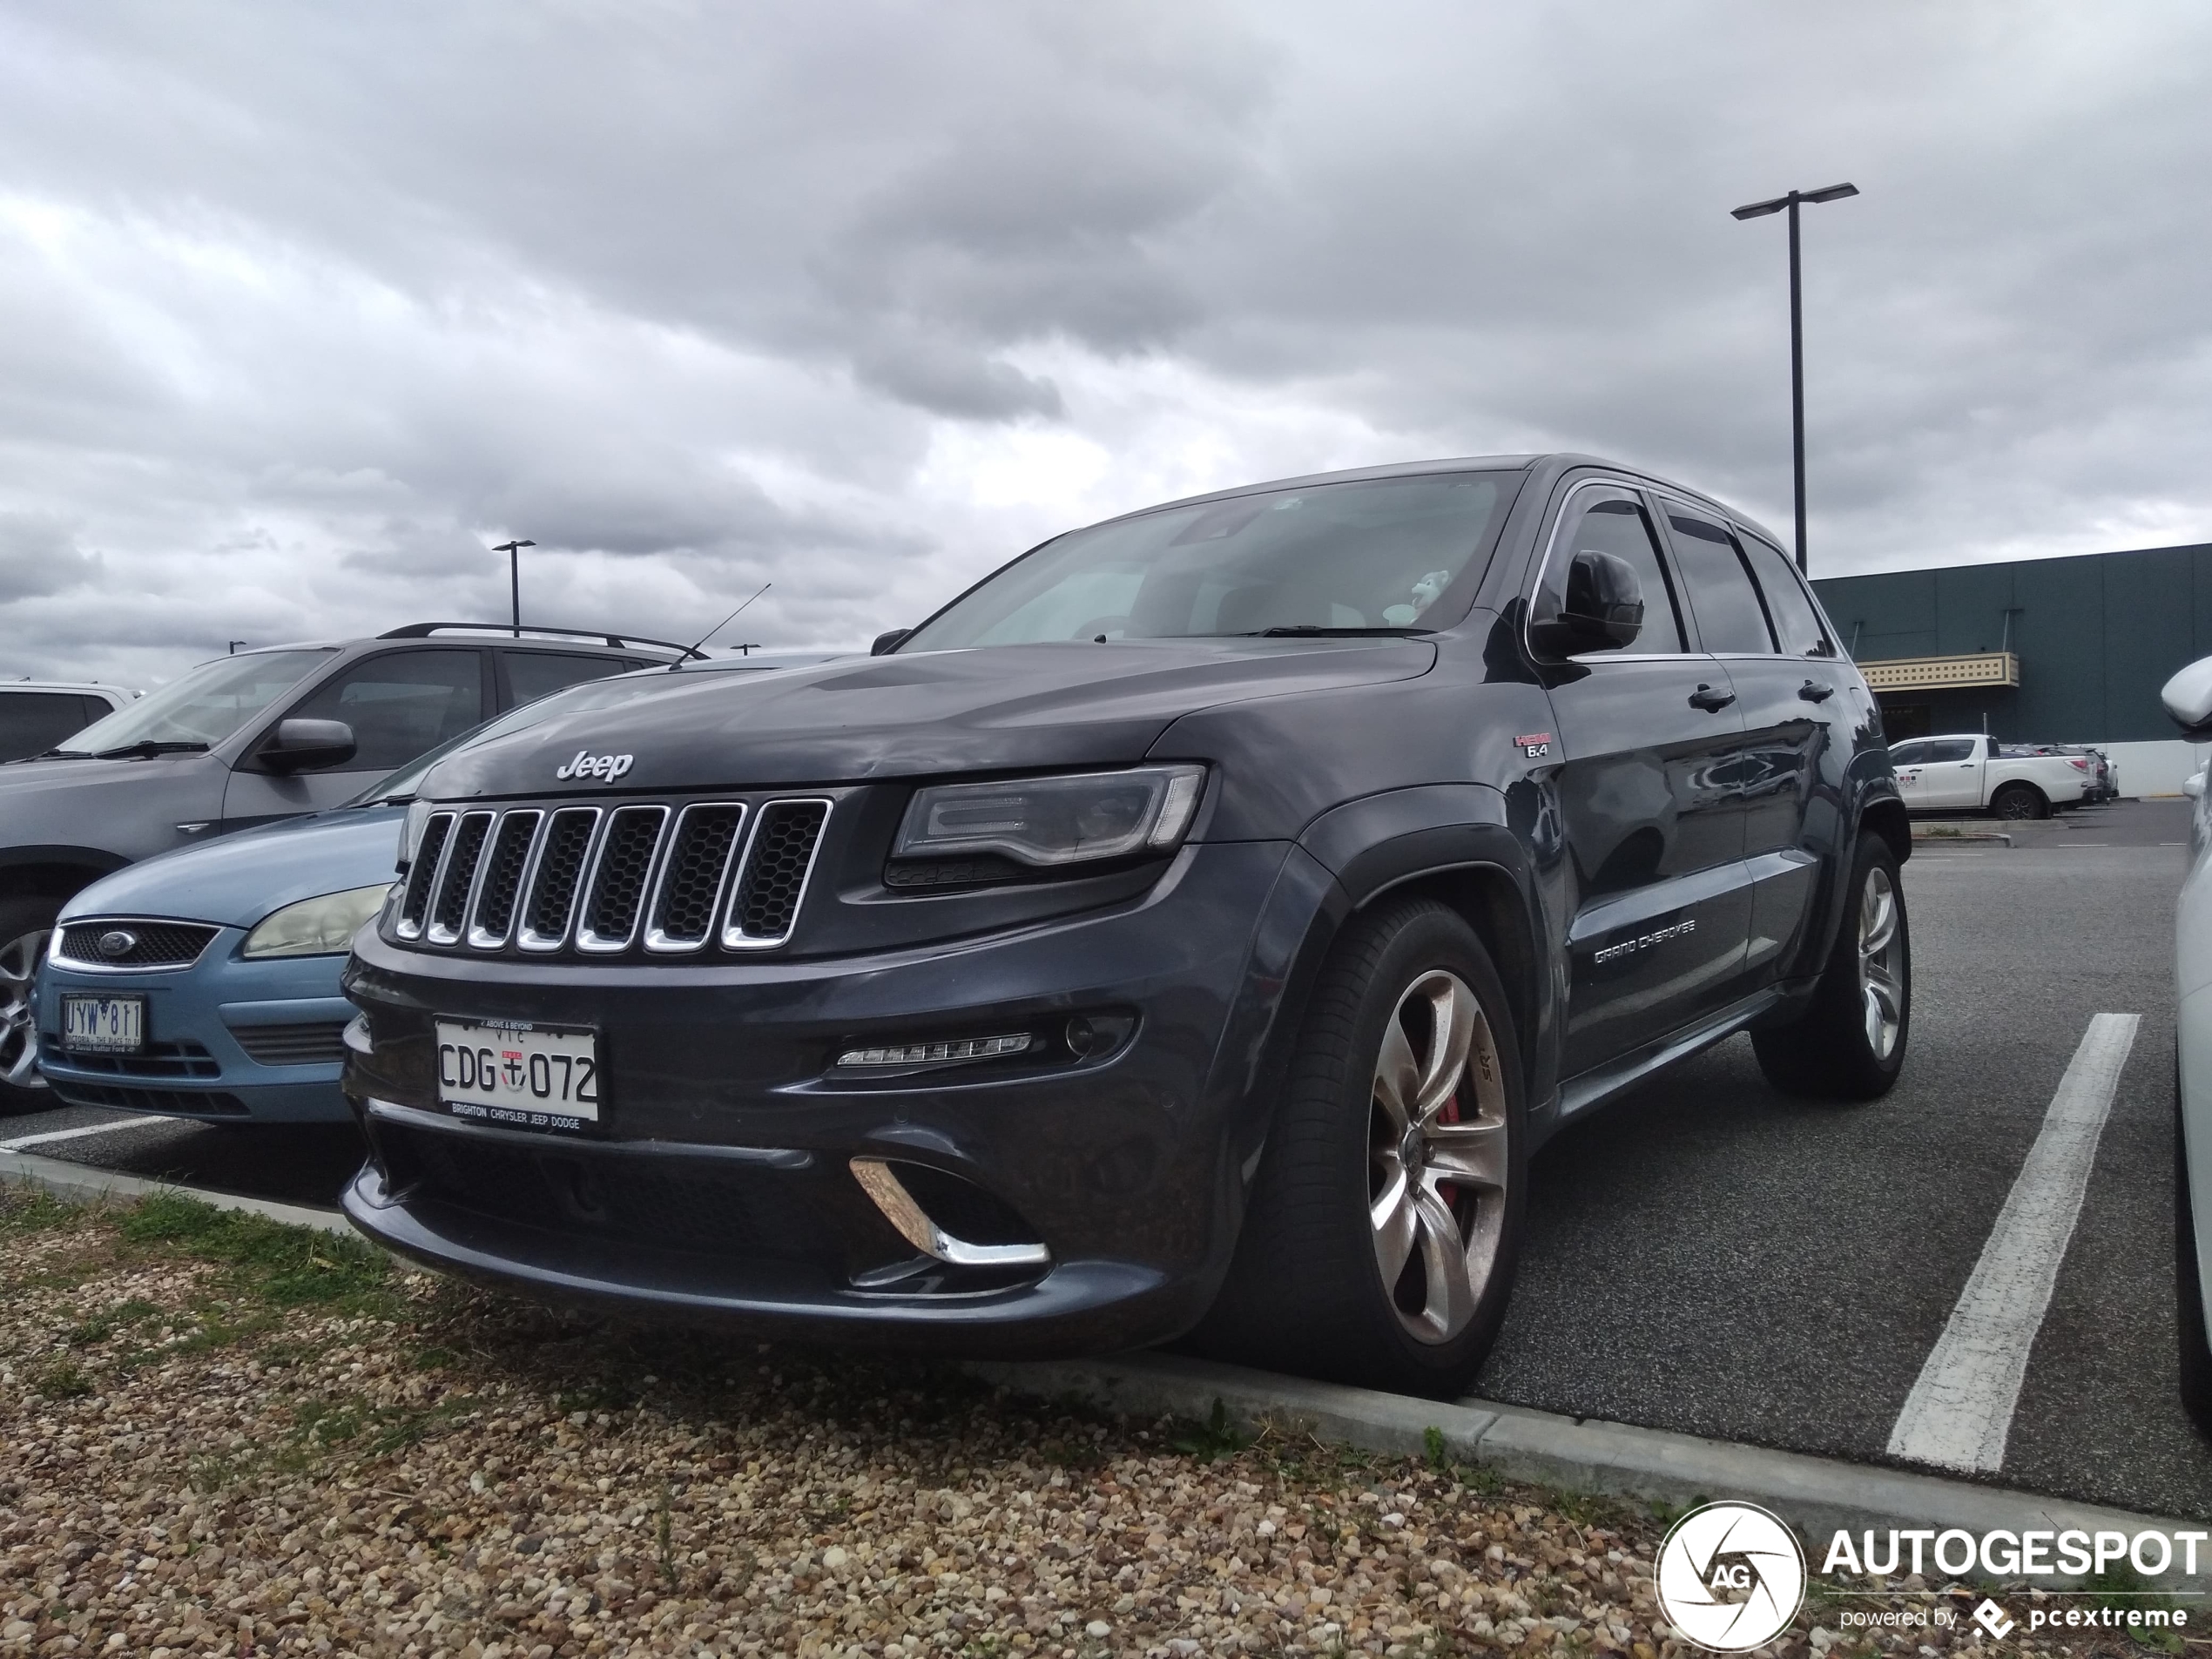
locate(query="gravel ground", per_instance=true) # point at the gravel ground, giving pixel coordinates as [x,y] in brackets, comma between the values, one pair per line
[219,1436]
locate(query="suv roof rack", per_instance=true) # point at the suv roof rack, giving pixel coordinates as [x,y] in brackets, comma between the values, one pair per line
[424,630]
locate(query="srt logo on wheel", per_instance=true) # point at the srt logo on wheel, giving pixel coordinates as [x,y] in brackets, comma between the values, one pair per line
[1731,1576]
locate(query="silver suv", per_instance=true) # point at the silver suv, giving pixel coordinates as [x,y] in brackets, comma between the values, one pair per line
[244,740]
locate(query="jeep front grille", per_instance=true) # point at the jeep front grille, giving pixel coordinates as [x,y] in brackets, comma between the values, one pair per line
[602,881]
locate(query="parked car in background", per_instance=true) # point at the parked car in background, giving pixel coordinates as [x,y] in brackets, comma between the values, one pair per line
[1192,927]
[1971,773]
[204,982]
[2188,698]
[246,740]
[35,715]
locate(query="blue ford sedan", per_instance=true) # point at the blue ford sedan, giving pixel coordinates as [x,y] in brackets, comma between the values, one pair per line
[204,983]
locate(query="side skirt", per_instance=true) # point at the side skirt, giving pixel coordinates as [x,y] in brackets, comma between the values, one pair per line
[1581,1094]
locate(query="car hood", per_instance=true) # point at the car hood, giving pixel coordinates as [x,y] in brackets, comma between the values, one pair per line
[20,779]
[1005,708]
[240,878]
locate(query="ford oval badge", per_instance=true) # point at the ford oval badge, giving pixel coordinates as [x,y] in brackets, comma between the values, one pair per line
[118,942]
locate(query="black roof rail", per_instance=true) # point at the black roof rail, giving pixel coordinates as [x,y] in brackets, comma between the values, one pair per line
[424,630]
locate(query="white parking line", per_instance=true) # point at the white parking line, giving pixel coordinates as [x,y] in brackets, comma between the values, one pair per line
[53,1134]
[1960,1410]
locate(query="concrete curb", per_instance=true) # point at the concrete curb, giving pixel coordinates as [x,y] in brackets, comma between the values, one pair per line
[85,1184]
[1920,838]
[1818,1495]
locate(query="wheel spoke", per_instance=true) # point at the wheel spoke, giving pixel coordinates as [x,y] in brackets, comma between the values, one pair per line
[1397,1077]
[1450,1035]
[1444,1259]
[1395,1225]
[1876,931]
[1468,1154]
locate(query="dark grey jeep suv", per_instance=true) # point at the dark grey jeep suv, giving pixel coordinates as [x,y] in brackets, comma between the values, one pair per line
[1190,931]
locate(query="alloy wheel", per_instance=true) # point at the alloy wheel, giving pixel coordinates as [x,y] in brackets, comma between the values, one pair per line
[18,1021]
[1881,951]
[1437,1157]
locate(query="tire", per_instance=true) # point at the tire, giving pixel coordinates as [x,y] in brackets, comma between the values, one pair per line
[1310,1288]
[1850,1042]
[2021,801]
[2189,1286]
[24,924]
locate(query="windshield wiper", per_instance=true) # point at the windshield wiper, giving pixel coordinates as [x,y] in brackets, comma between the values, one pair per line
[149,746]
[62,754]
[1293,629]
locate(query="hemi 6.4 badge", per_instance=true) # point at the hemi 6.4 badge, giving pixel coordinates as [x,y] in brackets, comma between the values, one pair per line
[1535,744]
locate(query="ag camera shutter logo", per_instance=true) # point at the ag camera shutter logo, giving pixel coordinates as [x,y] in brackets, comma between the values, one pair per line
[1730,1577]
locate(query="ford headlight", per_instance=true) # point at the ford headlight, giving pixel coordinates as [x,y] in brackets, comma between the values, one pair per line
[1055,821]
[319,927]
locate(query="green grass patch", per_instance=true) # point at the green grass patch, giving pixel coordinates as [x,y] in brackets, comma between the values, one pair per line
[26,1209]
[270,1262]
[62,1380]
[1215,1438]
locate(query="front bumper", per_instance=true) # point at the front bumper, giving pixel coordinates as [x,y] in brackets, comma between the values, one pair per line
[211,1031]
[720,1187]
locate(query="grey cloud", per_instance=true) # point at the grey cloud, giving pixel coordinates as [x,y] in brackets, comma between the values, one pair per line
[39,555]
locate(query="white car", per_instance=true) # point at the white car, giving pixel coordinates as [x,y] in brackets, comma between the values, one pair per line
[2188,698]
[1966,771]
[35,715]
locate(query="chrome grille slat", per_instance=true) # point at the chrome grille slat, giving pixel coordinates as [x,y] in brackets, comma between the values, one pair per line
[622,873]
[499,893]
[689,890]
[771,880]
[556,877]
[423,874]
[456,883]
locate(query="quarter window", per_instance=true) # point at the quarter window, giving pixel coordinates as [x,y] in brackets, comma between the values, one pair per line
[1795,620]
[1729,619]
[1612,522]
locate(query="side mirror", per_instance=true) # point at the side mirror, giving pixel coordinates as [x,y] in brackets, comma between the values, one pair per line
[2188,698]
[308,745]
[2193,786]
[1604,608]
[888,643]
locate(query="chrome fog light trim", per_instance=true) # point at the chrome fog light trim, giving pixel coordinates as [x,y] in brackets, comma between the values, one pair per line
[915,1225]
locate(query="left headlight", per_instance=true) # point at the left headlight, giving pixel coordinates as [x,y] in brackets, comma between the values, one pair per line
[319,926]
[1055,821]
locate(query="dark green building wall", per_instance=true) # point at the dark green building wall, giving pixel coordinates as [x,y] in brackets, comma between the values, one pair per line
[2097,635]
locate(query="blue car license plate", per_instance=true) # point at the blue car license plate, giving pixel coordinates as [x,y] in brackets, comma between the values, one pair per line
[103,1024]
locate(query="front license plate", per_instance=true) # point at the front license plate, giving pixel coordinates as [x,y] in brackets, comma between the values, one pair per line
[103,1024]
[524,1075]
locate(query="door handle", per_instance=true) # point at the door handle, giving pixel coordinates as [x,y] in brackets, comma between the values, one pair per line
[1814,691]
[1711,701]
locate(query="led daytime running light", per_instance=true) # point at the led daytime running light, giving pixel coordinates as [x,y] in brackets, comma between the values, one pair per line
[923,1054]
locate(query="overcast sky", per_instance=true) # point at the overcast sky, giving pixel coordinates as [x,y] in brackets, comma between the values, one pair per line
[303,306]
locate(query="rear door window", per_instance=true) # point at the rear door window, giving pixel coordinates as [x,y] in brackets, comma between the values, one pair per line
[400,704]
[1942,749]
[1729,618]
[532,674]
[1795,621]
[33,722]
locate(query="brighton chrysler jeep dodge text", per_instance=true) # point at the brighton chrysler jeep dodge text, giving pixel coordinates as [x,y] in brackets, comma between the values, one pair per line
[1190,930]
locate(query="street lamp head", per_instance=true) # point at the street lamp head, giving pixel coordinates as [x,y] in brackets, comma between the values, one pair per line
[1831,193]
[1760,209]
[508,547]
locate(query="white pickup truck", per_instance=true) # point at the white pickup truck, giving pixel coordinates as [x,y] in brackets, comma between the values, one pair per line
[1969,771]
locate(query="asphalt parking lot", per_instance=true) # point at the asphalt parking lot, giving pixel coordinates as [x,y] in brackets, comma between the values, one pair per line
[1711,1256]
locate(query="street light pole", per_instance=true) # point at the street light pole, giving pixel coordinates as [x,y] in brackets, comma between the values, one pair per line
[513,552]
[1759,210]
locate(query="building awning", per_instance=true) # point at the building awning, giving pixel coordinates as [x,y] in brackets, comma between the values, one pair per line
[1943,673]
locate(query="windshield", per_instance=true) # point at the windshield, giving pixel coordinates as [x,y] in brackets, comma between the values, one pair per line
[204,706]
[1346,558]
[401,786]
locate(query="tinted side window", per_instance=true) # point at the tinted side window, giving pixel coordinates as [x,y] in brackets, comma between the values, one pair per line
[1721,594]
[1955,748]
[400,704]
[1610,521]
[1908,754]
[1795,620]
[33,722]
[531,674]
